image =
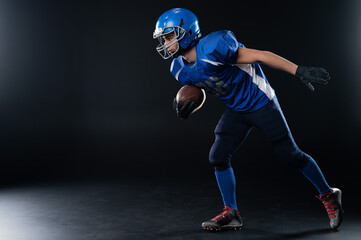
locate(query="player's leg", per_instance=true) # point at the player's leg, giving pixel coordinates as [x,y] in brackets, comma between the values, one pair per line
[330,197]
[229,134]
[272,122]
[287,150]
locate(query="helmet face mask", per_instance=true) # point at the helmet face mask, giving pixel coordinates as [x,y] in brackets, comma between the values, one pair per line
[162,48]
[183,24]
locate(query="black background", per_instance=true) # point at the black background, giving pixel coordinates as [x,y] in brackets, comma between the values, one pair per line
[83,93]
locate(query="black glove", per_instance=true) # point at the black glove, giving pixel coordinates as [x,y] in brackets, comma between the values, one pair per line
[310,75]
[183,111]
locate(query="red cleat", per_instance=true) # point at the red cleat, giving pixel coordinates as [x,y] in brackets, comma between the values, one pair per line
[333,205]
[228,219]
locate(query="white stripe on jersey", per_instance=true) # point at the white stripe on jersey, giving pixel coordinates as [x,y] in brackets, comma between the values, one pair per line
[177,74]
[171,66]
[259,81]
[211,62]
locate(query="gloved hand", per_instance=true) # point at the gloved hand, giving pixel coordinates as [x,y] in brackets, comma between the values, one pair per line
[310,75]
[183,111]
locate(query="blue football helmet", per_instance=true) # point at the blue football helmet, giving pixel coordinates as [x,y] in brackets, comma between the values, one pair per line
[184,24]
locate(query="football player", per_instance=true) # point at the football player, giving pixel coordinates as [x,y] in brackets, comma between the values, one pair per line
[221,65]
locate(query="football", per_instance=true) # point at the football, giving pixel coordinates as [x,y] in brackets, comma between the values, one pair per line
[192,94]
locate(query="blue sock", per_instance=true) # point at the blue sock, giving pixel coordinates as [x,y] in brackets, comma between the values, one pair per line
[314,174]
[227,186]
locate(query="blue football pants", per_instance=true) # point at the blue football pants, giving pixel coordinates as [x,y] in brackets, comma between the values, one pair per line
[233,128]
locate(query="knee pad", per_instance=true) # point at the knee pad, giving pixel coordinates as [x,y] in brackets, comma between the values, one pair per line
[218,159]
[288,152]
[298,158]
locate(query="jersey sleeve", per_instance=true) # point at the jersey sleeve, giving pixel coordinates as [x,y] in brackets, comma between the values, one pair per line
[225,47]
[176,68]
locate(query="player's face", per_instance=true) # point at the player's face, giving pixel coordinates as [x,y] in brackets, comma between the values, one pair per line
[168,40]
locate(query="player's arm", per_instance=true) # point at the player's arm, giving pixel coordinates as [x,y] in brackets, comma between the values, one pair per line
[246,55]
[306,74]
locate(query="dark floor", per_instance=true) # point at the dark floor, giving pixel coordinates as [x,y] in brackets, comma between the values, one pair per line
[163,209]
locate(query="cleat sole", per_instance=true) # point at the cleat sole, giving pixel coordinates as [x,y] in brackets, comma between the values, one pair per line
[223,228]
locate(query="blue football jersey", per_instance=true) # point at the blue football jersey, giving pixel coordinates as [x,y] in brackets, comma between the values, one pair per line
[242,87]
